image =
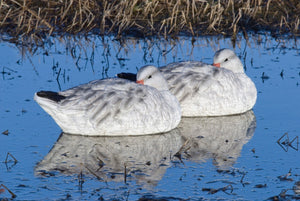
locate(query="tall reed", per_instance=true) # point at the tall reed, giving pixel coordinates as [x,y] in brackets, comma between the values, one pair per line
[37,19]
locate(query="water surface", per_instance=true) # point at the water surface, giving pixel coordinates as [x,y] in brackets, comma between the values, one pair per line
[235,157]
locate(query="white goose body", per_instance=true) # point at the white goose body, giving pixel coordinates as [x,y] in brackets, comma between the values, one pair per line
[207,90]
[115,107]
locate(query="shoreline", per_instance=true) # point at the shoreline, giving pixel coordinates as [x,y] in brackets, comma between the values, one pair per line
[36,20]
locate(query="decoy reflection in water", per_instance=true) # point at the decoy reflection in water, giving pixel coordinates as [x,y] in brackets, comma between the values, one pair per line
[143,158]
[220,138]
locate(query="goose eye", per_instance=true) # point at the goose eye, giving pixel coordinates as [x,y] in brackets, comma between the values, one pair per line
[149,77]
[226,60]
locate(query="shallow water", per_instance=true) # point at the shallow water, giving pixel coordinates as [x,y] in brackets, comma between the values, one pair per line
[235,157]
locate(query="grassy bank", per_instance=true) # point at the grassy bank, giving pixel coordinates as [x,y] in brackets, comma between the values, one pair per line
[37,19]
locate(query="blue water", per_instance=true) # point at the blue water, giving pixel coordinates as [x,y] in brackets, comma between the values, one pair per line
[247,168]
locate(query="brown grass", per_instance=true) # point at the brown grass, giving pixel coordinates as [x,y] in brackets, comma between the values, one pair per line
[37,19]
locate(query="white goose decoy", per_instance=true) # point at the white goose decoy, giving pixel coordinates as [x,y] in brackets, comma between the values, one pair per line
[211,90]
[115,107]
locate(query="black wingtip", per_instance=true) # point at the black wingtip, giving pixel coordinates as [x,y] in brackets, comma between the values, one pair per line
[54,96]
[127,76]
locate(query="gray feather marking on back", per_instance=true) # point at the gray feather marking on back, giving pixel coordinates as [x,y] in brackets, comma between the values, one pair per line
[139,91]
[171,77]
[110,94]
[184,97]
[179,89]
[216,71]
[91,94]
[97,99]
[127,103]
[103,118]
[99,110]
[118,100]
[118,111]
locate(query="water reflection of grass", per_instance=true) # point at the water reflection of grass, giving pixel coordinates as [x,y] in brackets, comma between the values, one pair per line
[37,19]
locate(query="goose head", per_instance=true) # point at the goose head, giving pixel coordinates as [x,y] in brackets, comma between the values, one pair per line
[226,58]
[151,76]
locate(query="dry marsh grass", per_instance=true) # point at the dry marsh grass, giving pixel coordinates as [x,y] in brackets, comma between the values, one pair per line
[37,19]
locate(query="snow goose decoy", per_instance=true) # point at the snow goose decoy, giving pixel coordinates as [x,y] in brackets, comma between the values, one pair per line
[115,107]
[210,90]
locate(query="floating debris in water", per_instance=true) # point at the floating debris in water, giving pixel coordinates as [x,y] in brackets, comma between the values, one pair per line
[224,189]
[125,173]
[285,177]
[2,190]
[284,142]
[100,164]
[284,196]
[260,186]
[45,173]
[281,74]
[9,72]
[80,180]
[296,188]
[242,180]
[264,77]
[6,159]
[22,185]
[93,173]
[6,132]
[183,149]
[15,161]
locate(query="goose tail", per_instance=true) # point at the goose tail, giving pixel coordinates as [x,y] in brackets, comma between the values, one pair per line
[49,101]
[127,76]
[53,96]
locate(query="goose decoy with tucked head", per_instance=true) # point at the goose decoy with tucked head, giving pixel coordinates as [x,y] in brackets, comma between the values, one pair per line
[211,90]
[115,107]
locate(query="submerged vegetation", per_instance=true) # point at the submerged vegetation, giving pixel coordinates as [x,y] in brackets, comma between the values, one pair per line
[36,20]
